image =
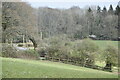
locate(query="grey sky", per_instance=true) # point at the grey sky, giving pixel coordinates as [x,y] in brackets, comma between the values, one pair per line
[68,4]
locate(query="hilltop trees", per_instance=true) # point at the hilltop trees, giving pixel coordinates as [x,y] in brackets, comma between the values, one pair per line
[79,23]
[46,22]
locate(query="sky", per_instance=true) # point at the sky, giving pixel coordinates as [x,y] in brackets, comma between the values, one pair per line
[65,4]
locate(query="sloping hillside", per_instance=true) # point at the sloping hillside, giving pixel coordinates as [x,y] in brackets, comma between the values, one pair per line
[18,68]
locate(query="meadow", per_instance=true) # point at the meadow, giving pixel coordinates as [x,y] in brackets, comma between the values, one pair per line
[18,68]
[103,44]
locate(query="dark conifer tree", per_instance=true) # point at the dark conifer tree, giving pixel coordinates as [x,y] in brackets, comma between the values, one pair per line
[98,9]
[117,10]
[110,11]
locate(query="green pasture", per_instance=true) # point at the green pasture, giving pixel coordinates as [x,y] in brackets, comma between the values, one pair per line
[18,68]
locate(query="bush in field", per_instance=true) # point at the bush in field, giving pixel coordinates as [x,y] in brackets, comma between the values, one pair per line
[8,51]
[85,52]
[80,53]
[110,56]
[88,46]
[52,51]
[57,42]
[28,54]
[64,52]
[57,51]
[41,52]
[58,48]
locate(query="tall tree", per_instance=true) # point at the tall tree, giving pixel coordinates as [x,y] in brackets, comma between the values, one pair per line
[98,9]
[89,10]
[117,10]
[104,11]
[110,11]
[19,16]
[90,20]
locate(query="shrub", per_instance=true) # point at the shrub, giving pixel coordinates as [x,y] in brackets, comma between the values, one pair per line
[8,51]
[59,51]
[80,53]
[110,56]
[88,46]
[41,52]
[28,54]
[52,51]
[86,51]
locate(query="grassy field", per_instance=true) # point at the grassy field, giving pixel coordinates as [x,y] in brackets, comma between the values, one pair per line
[18,68]
[104,43]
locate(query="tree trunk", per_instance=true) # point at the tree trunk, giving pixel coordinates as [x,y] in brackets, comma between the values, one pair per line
[3,38]
[33,41]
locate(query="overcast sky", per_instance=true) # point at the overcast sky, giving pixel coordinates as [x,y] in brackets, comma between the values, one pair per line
[69,3]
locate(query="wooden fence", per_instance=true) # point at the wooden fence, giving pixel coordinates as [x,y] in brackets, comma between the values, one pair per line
[69,61]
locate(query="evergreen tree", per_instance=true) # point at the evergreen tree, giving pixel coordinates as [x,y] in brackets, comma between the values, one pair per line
[90,21]
[98,9]
[110,11]
[104,11]
[89,10]
[117,11]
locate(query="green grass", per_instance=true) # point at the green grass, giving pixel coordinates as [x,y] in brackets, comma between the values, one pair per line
[103,44]
[18,68]
[102,64]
